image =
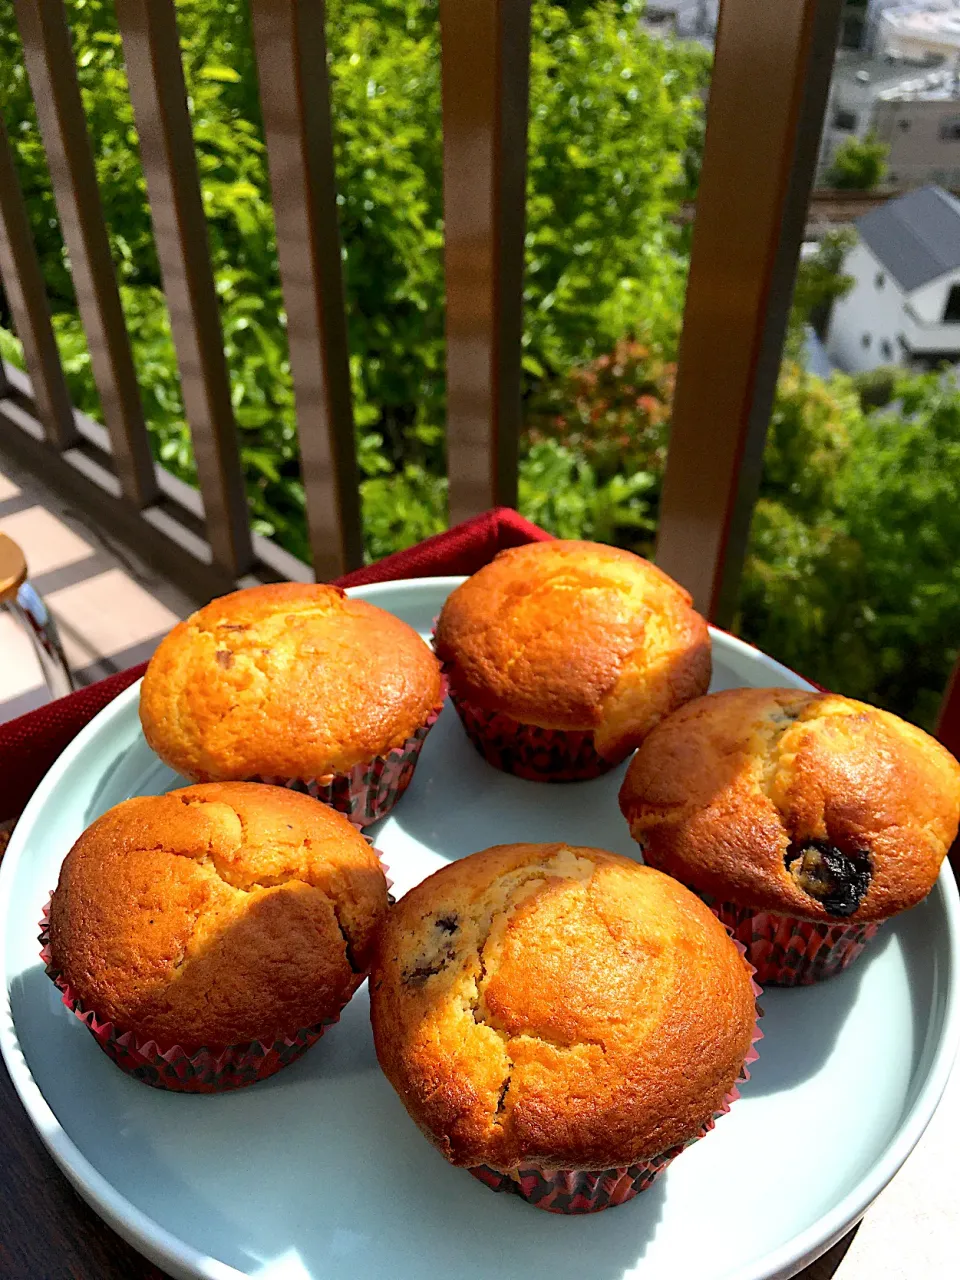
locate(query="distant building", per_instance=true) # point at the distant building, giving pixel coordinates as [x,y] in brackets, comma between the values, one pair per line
[860,24]
[926,30]
[904,307]
[919,120]
[687,19]
[858,83]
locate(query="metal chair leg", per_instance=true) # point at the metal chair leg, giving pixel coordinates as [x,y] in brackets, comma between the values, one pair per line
[17,595]
[36,619]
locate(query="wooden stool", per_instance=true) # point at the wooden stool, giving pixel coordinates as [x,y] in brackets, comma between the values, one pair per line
[18,597]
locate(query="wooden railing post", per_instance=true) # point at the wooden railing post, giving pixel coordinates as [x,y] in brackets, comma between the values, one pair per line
[27,296]
[768,95]
[295,94]
[486,55]
[48,52]
[151,47]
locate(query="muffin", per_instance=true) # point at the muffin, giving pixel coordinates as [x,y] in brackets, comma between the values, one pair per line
[207,937]
[804,819]
[562,656]
[301,686]
[560,1021]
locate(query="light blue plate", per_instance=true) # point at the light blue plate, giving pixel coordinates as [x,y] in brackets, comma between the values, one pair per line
[320,1173]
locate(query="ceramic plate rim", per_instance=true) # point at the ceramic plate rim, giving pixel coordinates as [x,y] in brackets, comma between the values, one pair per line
[167,1250]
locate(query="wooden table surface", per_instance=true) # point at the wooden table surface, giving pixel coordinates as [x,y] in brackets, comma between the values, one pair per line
[48,1233]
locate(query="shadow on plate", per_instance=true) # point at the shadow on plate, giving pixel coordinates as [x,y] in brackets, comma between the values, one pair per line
[458,804]
[89,1095]
[101,798]
[316,1172]
[801,1025]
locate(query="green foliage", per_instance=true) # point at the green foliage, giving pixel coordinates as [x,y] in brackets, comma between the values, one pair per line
[852,574]
[614,113]
[899,497]
[615,129]
[563,493]
[614,410]
[876,387]
[859,164]
[820,282]
[401,508]
[803,571]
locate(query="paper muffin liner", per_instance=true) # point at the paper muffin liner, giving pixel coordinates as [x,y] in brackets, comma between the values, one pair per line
[591,1191]
[529,751]
[176,1068]
[787,951]
[369,790]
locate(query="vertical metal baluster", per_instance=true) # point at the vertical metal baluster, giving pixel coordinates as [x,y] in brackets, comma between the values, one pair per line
[27,296]
[151,46]
[295,94]
[48,51]
[486,68]
[768,95]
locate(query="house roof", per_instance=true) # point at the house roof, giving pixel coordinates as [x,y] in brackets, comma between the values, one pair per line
[916,237]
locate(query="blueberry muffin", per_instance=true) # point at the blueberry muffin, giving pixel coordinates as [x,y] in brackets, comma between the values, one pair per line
[300,685]
[804,818]
[213,932]
[562,656]
[560,1021]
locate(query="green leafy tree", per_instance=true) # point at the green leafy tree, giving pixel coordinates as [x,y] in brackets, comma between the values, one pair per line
[899,498]
[564,494]
[615,128]
[803,570]
[859,164]
[820,282]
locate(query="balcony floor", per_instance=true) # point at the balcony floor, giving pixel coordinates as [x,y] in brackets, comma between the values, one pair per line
[111,608]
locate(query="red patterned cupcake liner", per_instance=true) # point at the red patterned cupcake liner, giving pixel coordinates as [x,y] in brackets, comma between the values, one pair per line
[369,790]
[787,951]
[529,751]
[176,1068]
[590,1191]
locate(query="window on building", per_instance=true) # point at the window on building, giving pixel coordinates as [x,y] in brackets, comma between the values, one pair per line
[879,279]
[950,130]
[865,341]
[886,350]
[845,120]
[951,312]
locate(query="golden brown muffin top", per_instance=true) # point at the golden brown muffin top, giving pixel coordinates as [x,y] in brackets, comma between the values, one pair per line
[804,803]
[218,914]
[575,635]
[561,1006]
[285,681]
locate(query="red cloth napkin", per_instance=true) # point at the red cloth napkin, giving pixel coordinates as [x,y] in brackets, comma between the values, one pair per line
[30,744]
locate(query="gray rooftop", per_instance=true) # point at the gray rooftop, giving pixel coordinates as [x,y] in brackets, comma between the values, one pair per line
[916,237]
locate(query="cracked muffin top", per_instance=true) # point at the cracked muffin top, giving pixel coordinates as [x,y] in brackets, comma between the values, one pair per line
[218,914]
[560,1006]
[802,803]
[285,681]
[575,635]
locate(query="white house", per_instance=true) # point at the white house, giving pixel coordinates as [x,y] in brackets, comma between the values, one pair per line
[904,307]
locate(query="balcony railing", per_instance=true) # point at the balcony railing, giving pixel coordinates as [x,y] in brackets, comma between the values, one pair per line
[767,100]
